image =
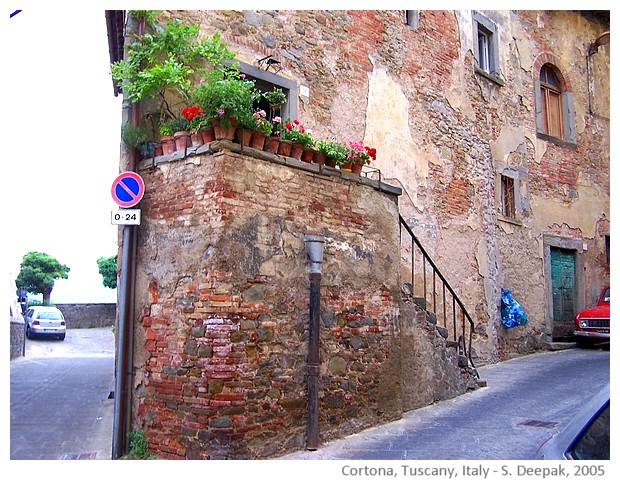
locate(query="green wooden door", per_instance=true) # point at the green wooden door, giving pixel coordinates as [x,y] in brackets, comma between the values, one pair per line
[563,286]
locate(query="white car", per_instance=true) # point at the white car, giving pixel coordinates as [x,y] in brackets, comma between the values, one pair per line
[586,436]
[47,321]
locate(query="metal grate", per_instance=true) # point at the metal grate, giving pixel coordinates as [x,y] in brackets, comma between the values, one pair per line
[539,424]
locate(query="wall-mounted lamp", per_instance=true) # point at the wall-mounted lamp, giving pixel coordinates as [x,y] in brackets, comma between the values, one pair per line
[270,63]
[602,39]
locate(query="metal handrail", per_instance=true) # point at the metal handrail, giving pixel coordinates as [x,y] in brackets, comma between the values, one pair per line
[465,347]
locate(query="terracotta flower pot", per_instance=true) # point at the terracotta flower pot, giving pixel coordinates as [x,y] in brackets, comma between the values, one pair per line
[318,157]
[159,151]
[243,136]
[197,140]
[307,155]
[357,167]
[297,150]
[221,130]
[208,134]
[330,162]
[347,167]
[285,147]
[257,140]
[271,144]
[182,139]
[168,145]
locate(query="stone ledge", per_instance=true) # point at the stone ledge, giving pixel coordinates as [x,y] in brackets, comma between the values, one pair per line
[219,145]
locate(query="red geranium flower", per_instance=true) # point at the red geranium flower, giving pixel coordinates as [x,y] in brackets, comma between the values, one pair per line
[192,112]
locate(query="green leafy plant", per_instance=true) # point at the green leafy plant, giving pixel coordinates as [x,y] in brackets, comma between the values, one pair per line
[337,151]
[178,124]
[226,93]
[138,446]
[133,136]
[163,63]
[275,97]
[165,129]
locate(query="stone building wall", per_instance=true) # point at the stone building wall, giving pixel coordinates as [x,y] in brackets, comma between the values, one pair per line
[223,296]
[88,315]
[222,270]
[444,133]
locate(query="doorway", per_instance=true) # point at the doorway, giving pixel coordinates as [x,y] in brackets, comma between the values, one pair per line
[564,292]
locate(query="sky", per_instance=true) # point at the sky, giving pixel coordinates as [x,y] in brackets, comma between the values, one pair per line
[64,147]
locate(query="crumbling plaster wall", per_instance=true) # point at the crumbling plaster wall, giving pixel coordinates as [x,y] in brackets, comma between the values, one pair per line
[442,132]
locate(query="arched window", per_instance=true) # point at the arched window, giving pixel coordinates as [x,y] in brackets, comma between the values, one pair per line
[551,96]
[555,112]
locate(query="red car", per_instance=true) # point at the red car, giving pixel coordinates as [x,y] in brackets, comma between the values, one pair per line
[592,324]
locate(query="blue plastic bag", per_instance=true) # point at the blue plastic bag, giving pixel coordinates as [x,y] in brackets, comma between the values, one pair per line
[512,311]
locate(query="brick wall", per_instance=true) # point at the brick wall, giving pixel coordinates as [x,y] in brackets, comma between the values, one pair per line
[221,341]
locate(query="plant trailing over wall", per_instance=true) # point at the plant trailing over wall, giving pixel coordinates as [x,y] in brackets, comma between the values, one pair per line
[164,62]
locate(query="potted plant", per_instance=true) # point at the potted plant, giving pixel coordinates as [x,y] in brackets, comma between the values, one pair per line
[276,98]
[360,155]
[226,97]
[272,142]
[262,129]
[180,128]
[166,139]
[299,135]
[336,153]
[197,122]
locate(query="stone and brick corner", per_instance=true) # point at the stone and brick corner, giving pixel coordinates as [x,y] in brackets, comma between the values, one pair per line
[223,296]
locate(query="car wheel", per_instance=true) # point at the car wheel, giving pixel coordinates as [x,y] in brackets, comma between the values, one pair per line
[28,332]
[61,337]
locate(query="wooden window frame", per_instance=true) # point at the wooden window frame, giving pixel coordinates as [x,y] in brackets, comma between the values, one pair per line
[547,93]
[566,115]
[508,184]
[508,197]
[486,65]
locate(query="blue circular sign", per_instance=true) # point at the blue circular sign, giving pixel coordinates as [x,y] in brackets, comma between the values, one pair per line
[128,189]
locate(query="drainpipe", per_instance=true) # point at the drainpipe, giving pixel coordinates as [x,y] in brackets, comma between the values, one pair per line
[126,296]
[314,247]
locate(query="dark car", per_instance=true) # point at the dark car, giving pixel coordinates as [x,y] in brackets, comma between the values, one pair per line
[592,324]
[585,436]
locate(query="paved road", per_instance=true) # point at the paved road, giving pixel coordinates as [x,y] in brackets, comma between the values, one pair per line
[527,399]
[60,407]
[59,397]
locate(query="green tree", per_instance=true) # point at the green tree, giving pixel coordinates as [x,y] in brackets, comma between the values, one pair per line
[38,272]
[107,269]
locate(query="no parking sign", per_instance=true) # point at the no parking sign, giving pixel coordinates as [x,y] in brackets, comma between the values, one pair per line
[128,189]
